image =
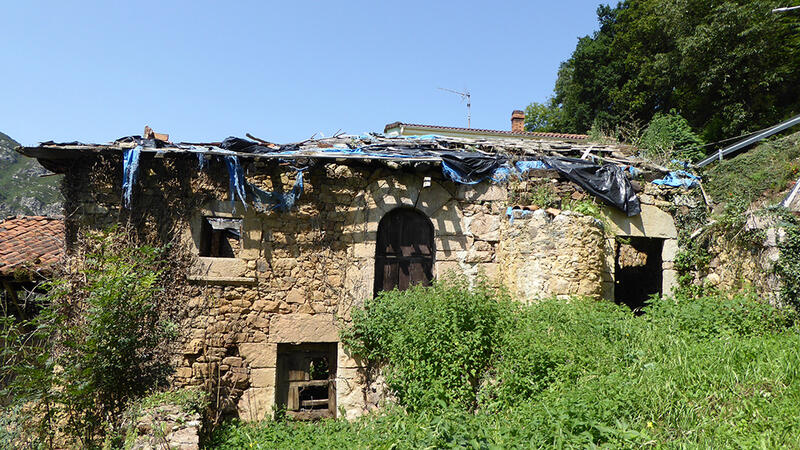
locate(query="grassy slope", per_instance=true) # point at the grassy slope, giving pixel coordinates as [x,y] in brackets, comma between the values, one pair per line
[709,372]
[759,174]
[22,190]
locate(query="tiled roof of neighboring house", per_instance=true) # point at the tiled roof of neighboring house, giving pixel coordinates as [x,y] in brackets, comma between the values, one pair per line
[32,242]
[480,130]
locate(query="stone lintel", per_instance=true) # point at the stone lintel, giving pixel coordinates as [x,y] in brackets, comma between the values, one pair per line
[302,328]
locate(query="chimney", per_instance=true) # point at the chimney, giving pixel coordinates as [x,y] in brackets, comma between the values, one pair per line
[517,121]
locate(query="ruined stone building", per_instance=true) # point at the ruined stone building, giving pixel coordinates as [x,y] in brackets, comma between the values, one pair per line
[287,239]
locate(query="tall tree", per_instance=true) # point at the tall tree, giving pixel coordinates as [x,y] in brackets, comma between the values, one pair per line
[728,66]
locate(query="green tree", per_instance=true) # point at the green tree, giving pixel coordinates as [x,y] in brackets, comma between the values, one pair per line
[728,66]
[669,136]
[543,116]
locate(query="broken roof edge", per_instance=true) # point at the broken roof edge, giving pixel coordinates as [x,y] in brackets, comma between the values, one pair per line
[372,146]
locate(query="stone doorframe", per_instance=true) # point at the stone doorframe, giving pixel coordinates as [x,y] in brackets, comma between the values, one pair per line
[653,222]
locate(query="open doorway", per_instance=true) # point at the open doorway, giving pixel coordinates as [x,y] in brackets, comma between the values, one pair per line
[637,271]
[306,376]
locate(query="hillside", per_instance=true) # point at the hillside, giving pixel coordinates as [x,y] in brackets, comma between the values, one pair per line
[762,174]
[22,189]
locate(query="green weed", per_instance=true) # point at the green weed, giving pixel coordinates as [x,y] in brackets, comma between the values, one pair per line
[691,372]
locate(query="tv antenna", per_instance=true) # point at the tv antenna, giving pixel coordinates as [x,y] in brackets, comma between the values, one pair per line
[464,96]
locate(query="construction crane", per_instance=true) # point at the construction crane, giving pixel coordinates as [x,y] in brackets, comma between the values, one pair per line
[464,96]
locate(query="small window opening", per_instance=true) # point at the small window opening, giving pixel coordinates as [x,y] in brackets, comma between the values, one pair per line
[220,237]
[638,271]
[306,380]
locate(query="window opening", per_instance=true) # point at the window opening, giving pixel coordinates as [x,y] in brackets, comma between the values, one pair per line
[220,237]
[638,270]
[404,253]
[306,380]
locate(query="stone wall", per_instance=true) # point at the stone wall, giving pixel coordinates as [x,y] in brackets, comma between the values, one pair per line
[298,274]
[544,255]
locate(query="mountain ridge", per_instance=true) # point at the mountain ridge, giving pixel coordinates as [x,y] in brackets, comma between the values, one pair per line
[23,190]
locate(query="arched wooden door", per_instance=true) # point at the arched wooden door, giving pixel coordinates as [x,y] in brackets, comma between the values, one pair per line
[404,254]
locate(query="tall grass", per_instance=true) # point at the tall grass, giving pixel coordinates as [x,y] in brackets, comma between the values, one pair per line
[710,372]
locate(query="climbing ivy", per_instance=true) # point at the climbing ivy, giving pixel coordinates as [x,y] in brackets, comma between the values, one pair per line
[788,265]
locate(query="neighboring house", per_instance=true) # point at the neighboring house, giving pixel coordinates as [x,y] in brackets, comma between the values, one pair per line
[287,239]
[30,246]
[517,131]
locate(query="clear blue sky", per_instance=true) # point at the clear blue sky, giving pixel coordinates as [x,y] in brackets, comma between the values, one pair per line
[202,71]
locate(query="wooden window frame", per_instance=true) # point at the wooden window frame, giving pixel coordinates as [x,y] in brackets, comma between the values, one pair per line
[294,376]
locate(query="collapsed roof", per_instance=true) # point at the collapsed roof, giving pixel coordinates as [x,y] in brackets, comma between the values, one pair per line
[601,169]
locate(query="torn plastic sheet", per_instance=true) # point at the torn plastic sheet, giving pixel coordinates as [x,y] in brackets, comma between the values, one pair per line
[679,178]
[501,174]
[278,201]
[235,179]
[607,182]
[231,226]
[524,213]
[130,172]
[201,161]
[470,168]
[526,166]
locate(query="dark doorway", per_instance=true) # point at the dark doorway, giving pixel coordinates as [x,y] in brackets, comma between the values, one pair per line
[637,270]
[404,254]
[306,377]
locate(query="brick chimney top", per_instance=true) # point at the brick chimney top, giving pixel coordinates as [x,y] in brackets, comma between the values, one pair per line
[517,121]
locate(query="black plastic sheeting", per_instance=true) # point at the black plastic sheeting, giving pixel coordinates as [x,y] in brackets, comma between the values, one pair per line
[240,145]
[607,182]
[471,167]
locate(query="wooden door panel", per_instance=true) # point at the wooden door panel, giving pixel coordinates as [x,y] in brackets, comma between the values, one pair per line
[404,250]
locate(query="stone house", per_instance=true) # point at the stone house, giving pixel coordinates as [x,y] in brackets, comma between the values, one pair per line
[287,239]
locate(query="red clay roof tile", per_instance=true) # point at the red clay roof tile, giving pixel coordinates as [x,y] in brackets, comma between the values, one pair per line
[33,242]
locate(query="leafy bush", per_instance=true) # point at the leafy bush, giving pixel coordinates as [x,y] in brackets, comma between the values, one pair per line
[711,371]
[436,342]
[94,346]
[669,136]
[788,264]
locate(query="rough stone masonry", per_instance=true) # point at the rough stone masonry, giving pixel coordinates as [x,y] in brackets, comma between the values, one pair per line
[293,277]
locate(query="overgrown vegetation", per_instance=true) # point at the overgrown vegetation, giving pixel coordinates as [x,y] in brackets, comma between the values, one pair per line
[762,171]
[98,343]
[186,401]
[712,371]
[727,66]
[669,136]
[437,342]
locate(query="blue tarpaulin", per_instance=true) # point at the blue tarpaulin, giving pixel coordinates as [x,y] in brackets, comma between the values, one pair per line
[235,179]
[130,171]
[278,201]
[679,178]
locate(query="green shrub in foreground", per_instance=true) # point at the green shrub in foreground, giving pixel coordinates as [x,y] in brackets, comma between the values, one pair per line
[436,342]
[93,348]
[705,372]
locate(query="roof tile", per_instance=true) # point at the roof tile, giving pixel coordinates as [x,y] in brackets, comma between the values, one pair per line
[34,242]
[510,133]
